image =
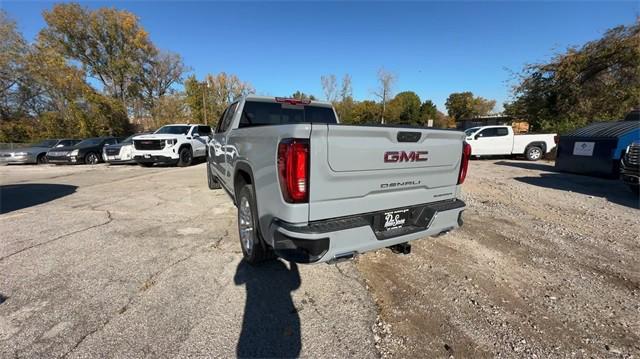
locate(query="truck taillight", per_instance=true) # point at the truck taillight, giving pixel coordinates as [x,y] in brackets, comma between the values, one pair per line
[464,163]
[293,169]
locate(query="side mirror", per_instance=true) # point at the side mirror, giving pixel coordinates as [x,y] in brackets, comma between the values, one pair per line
[195,135]
[477,136]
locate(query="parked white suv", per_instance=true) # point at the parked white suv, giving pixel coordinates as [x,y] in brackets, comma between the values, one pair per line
[176,144]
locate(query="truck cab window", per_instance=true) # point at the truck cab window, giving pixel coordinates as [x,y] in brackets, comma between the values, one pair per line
[258,113]
[487,132]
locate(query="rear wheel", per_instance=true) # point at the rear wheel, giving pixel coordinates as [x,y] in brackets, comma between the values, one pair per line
[212,181]
[186,156]
[254,249]
[533,153]
[91,158]
[42,159]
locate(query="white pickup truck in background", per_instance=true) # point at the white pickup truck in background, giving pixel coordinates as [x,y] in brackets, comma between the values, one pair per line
[501,141]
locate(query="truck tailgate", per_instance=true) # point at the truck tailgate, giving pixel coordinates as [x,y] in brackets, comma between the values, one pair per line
[361,169]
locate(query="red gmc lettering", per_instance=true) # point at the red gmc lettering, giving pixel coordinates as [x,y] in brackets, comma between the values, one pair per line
[402,156]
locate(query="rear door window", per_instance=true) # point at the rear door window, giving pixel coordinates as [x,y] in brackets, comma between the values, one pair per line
[228,116]
[257,113]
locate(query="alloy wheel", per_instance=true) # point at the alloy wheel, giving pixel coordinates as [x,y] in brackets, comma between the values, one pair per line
[246,225]
[92,159]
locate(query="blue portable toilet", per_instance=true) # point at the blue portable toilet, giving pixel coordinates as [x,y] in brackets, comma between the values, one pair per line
[597,148]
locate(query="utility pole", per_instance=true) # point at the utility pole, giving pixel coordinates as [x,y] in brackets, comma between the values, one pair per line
[204,103]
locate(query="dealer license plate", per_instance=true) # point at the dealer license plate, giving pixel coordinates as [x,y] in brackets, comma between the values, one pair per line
[394,219]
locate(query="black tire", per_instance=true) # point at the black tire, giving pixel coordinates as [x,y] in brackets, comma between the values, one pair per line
[41,159]
[533,153]
[186,157]
[212,181]
[145,164]
[254,249]
[91,158]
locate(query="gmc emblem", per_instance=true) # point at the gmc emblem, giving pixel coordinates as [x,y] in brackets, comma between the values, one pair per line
[402,156]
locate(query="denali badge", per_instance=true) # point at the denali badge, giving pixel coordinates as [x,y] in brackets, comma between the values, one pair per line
[402,156]
[399,184]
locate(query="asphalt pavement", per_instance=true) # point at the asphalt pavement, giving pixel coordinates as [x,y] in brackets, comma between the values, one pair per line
[124,261]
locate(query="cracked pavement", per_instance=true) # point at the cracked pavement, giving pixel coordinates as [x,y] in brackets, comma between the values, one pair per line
[125,261]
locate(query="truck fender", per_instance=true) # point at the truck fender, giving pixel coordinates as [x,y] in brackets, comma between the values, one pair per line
[242,173]
[541,144]
[185,145]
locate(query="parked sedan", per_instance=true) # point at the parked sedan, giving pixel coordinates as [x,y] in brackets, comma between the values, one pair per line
[88,151]
[120,153]
[35,153]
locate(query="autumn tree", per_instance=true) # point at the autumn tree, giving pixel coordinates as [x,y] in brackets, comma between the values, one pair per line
[597,81]
[404,108]
[428,111]
[16,88]
[462,105]
[220,90]
[365,112]
[194,98]
[171,108]
[109,43]
[74,108]
[208,99]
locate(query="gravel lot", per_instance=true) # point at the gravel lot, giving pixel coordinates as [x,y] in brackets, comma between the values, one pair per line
[127,262]
[546,265]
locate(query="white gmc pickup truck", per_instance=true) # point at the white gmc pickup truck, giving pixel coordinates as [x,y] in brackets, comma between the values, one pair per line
[311,190]
[500,141]
[173,144]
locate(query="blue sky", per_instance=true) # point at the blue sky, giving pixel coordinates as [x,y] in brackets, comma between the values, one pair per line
[434,48]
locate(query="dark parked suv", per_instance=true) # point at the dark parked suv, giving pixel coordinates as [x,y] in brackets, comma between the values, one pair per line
[88,151]
[630,167]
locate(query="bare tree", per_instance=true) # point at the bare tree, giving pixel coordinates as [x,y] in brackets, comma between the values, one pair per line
[160,73]
[329,87]
[346,90]
[386,80]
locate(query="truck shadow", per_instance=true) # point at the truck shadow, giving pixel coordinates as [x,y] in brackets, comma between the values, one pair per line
[613,190]
[270,325]
[546,167]
[18,196]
